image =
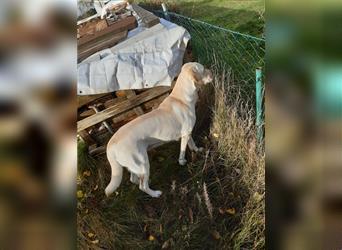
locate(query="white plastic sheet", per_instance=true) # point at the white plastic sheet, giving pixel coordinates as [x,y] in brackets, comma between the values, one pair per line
[151,57]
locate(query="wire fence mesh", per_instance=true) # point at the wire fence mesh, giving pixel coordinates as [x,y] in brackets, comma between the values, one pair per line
[225,49]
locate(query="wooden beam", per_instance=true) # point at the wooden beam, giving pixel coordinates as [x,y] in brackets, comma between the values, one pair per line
[86,99]
[88,19]
[87,138]
[127,23]
[148,18]
[101,43]
[121,107]
[92,27]
[113,101]
[86,113]
[138,110]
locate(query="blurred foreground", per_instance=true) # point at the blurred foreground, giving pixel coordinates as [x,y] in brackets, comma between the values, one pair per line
[37,124]
[304,125]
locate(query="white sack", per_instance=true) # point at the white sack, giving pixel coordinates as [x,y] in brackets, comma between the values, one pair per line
[150,58]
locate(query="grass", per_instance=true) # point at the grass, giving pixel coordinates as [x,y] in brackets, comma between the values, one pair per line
[243,16]
[216,201]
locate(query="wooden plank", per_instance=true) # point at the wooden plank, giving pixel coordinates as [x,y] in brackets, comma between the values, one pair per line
[92,27]
[148,106]
[138,110]
[101,39]
[86,113]
[105,123]
[103,42]
[155,102]
[120,16]
[113,101]
[121,107]
[148,18]
[87,138]
[124,116]
[98,150]
[88,19]
[86,99]
[127,23]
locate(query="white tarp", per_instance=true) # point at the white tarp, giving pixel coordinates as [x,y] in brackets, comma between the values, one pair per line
[152,57]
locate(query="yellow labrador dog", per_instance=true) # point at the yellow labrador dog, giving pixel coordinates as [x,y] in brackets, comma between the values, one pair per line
[173,119]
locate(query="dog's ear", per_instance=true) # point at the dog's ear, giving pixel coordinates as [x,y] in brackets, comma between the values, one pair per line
[196,73]
[207,76]
[201,75]
[195,76]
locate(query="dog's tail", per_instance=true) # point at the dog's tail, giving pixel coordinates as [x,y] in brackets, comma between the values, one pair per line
[116,174]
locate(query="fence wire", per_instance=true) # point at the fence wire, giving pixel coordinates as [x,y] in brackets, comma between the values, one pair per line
[225,49]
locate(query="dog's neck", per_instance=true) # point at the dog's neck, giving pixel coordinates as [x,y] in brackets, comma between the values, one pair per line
[185,91]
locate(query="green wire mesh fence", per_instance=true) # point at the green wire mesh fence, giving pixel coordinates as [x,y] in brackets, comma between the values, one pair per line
[225,49]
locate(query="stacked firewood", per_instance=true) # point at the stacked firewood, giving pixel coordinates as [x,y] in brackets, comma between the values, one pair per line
[99,116]
[97,34]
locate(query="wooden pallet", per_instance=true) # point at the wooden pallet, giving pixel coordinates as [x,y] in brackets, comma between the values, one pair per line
[114,110]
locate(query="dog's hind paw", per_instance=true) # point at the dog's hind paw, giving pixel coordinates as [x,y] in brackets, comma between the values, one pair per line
[156,194]
[200,149]
[182,162]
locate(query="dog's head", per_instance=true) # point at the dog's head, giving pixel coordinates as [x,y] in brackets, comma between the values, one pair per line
[197,73]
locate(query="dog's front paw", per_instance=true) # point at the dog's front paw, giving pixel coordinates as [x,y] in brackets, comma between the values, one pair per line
[182,162]
[156,194]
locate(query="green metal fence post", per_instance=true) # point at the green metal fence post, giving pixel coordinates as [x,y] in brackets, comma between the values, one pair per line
[166,14]
[259,97]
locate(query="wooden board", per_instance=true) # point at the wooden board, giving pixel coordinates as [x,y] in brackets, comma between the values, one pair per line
[92,27]
[137,110]
[113,101]
[101,43]
[155,102]
[148,18]
[121,107]
[85,20]
[126,23]
[85,99]
[87,138]
[86,113]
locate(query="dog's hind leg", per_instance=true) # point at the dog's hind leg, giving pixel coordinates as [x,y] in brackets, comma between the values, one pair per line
[134,178]
[193,146]
[184,142]
[143,182]
[143,186]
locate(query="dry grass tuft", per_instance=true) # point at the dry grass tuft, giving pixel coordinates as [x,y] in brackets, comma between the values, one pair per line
[207,201]
[234,126]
